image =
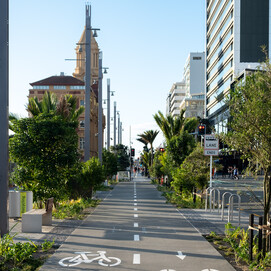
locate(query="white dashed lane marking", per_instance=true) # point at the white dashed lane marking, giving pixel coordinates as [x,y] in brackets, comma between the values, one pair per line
[136,259]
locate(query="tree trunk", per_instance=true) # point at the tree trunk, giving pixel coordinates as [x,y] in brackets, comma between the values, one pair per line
[151,155]
[267,197]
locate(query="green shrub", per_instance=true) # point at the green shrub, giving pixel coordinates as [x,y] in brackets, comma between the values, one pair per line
[19,256]
[74,208]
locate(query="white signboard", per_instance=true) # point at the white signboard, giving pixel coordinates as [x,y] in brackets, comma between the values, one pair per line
[211,142]
[211,145]
[211,152]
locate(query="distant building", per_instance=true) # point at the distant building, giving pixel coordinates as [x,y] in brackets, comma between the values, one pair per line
[175,97]
[236,30]
[75,85]
[194,78]
[194,74]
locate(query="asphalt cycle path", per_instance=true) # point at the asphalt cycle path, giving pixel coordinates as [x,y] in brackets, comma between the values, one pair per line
[134,229]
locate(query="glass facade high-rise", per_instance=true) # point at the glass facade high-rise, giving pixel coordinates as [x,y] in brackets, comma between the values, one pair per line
[235,32]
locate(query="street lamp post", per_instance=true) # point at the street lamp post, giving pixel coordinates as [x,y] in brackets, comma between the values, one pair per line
[4,76]
[108,114]
[118,127]
[100,108]
[115,115]
[88,82]
[120,132]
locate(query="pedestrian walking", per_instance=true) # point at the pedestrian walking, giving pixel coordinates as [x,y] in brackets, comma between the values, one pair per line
[235,173]
[230,171]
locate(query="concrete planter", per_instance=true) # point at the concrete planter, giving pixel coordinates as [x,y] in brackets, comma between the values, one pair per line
[20,202]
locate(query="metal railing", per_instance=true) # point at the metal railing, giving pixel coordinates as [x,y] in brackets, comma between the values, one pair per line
[220,202]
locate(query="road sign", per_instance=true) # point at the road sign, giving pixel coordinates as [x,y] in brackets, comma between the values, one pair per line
[211,152]
[211,142]
[211,145]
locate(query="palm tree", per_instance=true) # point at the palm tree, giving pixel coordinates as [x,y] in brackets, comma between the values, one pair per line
[148,137]
[173,126]
[46,105]
[65,107]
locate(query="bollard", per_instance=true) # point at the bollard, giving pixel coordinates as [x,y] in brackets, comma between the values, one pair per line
[223,204]
[206,198]
[230,210]
[251,224]
[214,199]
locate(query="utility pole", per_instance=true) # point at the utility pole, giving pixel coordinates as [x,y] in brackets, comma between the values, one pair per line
[87,84]
[108,114]
[115,116]
[100,109]
[4,77]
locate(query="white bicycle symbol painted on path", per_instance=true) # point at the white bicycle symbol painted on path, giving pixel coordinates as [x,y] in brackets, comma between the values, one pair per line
[83,258]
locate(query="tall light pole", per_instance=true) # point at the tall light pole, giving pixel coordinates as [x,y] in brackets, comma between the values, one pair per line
[115,116]
[4,76]
[118,127]
[87,84]
[88,81]
[100,108]
[120,132]
[108,114]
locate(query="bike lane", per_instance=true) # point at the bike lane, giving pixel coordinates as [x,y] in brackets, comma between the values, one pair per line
[135,225]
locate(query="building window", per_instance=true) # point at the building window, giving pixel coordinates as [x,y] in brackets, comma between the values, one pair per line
[59,87]
[196,57]
[82,124]
[40,87]
[77,87]
[82,103]
[81,143]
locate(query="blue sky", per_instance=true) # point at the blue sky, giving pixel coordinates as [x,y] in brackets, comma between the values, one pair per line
[145,44]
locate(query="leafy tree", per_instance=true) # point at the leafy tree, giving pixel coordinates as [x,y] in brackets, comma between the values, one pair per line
[193,173]
[45,149]
[250,124]
[92,176]
[156,171]
[122,155]
[148,137]
[179,147]
[110,164]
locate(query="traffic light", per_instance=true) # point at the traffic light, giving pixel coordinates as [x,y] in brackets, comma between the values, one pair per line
[201,129]
[162,149]
[132,152]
